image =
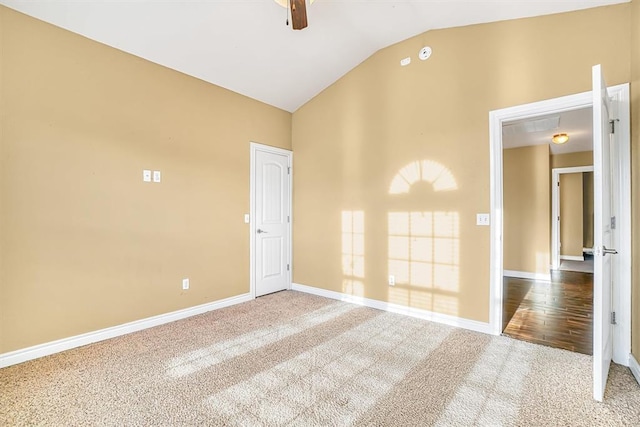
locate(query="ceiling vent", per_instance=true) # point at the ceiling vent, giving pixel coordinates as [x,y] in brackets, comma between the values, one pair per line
[529,126]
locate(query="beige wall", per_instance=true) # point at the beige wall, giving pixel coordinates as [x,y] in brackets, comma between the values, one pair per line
[86,244]
[569,160]
[635,195]
[353,139]
[527,207]
[571,214]
[587,209]
[3,327]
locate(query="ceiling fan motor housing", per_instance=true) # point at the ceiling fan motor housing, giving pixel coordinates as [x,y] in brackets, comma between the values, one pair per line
[298,14]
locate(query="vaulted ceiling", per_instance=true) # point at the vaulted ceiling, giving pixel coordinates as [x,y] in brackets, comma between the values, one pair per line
[245,46]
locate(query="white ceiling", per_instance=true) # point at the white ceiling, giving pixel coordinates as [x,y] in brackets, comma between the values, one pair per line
[244,45]
[577,124]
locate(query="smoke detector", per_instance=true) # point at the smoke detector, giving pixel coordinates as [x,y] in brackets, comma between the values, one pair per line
[424,53]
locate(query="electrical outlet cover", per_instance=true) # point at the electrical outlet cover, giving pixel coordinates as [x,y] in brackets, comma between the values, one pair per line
[483,219]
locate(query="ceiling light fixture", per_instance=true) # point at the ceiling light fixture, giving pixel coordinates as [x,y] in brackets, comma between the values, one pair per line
[560,138]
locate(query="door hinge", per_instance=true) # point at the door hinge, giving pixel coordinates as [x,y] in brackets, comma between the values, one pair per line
[287,267]
[613,318]
[613,125]
[288,218]
[288,170]
[613,222]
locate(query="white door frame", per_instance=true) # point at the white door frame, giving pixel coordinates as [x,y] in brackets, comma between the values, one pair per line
[254,147]
[622,292]
[555,209]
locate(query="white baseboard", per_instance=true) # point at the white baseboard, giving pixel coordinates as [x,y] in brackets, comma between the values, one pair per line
[572,257]
[30,353]
[446,319]
[542,277]
[635,367]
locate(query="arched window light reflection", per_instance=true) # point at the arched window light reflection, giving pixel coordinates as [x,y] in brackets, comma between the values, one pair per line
[429,171]
[424,246]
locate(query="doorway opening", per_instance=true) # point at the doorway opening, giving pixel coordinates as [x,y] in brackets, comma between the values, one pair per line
[543,303]
[621,289]
[572,218]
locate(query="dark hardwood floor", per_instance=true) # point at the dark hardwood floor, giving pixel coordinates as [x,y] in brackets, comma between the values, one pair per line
[557,314]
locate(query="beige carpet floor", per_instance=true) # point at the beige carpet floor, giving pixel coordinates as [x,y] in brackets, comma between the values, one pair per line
[301,360]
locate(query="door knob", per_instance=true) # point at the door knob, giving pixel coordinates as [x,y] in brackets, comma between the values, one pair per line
[260,231]
[608,251]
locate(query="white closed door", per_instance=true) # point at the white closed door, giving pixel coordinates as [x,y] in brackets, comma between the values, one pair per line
[604,170]
[272,215]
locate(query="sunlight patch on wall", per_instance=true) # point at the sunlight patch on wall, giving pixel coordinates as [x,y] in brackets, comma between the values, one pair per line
[543,262]
[353,252]
[423,256]
[429,171]
[353,287]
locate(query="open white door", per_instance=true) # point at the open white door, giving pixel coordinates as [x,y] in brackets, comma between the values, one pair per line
[603,234]
[272,204]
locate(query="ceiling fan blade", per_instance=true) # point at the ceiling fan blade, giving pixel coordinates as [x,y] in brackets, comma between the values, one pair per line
[298,14]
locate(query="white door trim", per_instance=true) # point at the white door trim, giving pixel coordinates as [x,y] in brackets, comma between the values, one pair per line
[254,147]
[555,211]
[622,275]
[622,292]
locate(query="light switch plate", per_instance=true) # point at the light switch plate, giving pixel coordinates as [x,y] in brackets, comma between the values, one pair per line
[185,284]
[146,175]
[156,176]
[247,218]
[483,219]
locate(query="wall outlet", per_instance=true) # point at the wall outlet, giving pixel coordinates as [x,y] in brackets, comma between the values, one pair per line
[146,175]
[483,219]
[157,176]
[185,284]
[392,280]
